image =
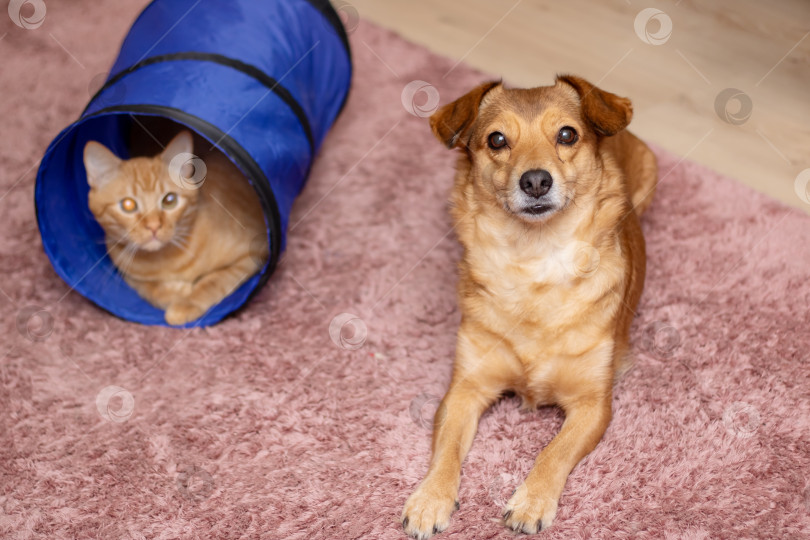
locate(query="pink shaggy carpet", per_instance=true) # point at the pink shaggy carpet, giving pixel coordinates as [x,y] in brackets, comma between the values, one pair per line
[267,426]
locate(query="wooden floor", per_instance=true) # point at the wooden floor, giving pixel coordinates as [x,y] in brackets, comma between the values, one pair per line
[675,68]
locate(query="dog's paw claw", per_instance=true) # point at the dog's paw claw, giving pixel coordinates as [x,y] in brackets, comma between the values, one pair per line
[427,512]
[529,512]
[457,505]
[516,526]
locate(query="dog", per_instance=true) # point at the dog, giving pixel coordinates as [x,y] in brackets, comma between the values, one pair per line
[546,204]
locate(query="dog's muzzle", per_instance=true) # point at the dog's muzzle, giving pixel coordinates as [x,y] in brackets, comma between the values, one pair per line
[535,185]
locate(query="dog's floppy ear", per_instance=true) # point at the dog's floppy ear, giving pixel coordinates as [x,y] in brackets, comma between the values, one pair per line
[607,113]
[451,122]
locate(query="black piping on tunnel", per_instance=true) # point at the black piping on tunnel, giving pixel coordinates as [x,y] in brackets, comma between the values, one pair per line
[272,84]
[324,7]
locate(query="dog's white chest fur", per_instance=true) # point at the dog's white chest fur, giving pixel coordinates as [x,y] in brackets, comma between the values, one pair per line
[542,279]
[512,267]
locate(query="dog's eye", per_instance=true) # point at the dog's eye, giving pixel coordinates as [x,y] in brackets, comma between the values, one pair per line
[567,136]
[497,140]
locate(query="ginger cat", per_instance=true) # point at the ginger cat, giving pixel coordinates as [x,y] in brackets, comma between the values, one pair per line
[183,246]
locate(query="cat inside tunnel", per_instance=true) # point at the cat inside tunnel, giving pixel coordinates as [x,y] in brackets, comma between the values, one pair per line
[180,219]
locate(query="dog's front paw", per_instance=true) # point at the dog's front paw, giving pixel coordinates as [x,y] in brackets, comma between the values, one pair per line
[530,511]
[427,511]
[182,312]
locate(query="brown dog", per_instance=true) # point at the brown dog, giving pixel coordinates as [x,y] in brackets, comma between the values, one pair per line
[546,203]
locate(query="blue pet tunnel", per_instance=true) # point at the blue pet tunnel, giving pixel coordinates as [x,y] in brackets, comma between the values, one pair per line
[263,80]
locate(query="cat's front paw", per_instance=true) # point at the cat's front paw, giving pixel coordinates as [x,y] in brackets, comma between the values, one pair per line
[176,289]
[183,311]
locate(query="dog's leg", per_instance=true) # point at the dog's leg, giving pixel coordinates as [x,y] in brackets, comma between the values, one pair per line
[428,509]
[478,381]
[533,506]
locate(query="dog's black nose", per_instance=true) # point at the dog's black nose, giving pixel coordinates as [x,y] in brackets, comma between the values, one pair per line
[536,183]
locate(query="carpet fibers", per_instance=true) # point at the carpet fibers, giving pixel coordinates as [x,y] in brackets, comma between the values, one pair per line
[306,415]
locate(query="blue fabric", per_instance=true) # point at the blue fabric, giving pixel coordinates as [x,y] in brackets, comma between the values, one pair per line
[287,40]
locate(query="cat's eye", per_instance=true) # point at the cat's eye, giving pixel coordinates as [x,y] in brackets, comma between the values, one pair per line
[169,200]
[128,205]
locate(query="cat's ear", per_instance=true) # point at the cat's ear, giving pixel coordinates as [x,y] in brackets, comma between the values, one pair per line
[100,164]
[182,143]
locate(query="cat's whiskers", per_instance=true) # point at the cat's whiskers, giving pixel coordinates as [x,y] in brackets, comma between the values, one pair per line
[182,237]
[121,263]
[127,257]
[179,244]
